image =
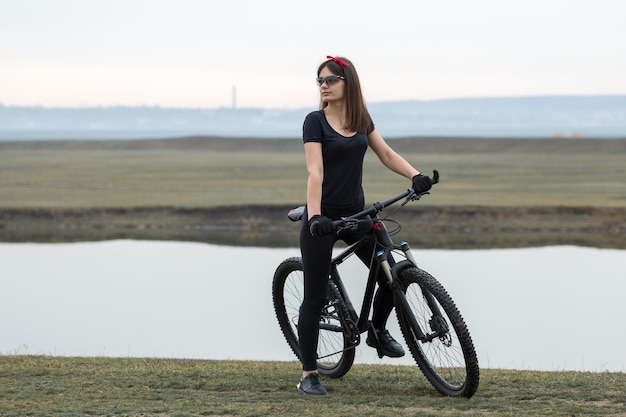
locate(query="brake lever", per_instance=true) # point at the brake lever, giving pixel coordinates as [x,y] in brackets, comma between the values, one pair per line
[413,196]
[348,224]
[409,197]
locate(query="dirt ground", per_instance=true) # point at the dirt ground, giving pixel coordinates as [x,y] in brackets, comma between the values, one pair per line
[426,226]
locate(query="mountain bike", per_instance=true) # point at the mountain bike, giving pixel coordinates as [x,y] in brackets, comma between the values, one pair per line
[429,320]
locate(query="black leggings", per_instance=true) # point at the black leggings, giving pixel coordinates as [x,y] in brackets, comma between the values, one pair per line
[316,257]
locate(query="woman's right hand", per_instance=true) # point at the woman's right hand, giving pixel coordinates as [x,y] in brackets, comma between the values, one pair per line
[320,225]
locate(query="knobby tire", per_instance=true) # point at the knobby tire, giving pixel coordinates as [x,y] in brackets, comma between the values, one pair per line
[449,361]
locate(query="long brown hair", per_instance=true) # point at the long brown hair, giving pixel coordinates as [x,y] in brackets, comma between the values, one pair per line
[358,118]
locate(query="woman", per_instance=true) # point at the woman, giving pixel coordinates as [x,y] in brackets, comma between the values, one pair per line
[335,140]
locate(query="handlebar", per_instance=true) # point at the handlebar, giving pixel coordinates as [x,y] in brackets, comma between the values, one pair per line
[408,195]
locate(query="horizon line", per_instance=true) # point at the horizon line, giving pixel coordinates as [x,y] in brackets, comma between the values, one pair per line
[230,108]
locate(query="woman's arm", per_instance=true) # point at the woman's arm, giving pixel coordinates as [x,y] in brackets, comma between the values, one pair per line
[390,158]
[315,171]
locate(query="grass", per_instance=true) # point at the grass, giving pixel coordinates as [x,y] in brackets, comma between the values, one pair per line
[209,172]
[150,187]
[56,386]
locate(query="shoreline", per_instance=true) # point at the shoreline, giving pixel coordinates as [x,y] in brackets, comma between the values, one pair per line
[453,227]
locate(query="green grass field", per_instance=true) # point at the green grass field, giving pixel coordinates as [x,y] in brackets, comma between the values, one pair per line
[208,172]
[55,386]
[537,191]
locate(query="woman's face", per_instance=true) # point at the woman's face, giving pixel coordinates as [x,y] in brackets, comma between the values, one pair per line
[333,91]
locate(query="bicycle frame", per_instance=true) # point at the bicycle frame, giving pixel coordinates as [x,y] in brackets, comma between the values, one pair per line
[383,246]
[379,260]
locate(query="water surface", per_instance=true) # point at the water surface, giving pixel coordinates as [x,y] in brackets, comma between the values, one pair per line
[550,308]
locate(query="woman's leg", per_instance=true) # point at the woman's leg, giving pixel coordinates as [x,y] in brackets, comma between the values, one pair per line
[316,256]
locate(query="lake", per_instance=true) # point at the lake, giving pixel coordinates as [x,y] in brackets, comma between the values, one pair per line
[547,308]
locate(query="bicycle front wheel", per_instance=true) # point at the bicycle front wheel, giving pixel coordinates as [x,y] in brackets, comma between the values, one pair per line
[335,350]
[446,354]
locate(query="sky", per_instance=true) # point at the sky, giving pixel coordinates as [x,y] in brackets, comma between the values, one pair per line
[265,53]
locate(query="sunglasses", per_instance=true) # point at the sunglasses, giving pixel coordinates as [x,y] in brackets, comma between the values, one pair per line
[333,79]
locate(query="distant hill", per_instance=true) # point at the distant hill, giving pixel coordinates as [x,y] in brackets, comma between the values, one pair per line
[570,116]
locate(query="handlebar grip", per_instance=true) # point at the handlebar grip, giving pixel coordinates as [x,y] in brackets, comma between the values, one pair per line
[435,178]
[313,228]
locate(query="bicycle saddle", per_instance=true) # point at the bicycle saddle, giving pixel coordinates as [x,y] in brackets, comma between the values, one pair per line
[296,214]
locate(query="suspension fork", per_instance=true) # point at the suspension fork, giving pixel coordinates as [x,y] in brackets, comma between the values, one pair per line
[398,294]
[398,291]
[383,238]
[430,299]
[432,303]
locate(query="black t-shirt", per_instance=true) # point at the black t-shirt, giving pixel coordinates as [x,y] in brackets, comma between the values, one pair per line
[343,162]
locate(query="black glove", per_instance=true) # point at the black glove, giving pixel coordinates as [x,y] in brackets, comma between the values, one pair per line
[320,225]
[422,183]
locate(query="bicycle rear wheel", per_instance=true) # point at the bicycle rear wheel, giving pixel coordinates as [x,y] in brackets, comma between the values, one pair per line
[448,360]
[335,350]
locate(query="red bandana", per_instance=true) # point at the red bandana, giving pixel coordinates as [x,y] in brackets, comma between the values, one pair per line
[337,60]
